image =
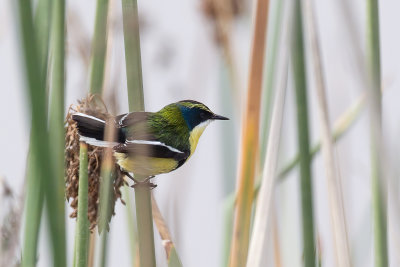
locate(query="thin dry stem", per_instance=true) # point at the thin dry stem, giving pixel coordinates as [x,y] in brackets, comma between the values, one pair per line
[162,227]
[249,143]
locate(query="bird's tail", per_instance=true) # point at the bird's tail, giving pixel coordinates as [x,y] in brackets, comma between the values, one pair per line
[91,130]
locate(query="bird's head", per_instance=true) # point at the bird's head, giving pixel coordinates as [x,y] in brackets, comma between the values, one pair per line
[196,114]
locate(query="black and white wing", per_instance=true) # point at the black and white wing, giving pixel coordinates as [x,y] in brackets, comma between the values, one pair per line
[154,149]
[140,140]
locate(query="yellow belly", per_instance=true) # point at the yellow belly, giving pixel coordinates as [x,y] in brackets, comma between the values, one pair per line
[148,166]
[145,166]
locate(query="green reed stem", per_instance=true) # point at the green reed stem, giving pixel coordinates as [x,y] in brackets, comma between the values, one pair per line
[131,223]
[34,206]
[99,48]
[42,19]
[40,149]
[136,103]
[379,190]
[299,69]
[106,195]
[34,195]
[144,217]
[132,55]
[55,192]
[97,65]
[82,225]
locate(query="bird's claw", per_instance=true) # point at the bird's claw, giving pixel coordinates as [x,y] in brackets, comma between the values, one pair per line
[144,183]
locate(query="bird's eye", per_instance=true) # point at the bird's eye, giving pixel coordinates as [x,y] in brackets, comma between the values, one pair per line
[203,115]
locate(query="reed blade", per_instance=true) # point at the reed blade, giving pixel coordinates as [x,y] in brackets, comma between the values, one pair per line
[82,224]
[299,70]
[379,182]
[249,143]
[136,103]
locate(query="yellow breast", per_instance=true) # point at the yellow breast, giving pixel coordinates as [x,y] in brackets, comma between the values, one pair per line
[195,135]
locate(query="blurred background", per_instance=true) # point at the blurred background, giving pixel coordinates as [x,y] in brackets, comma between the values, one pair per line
[185,55]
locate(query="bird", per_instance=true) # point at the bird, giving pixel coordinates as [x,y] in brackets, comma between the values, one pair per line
[150,143]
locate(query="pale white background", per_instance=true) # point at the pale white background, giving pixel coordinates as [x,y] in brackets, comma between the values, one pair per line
[181,61]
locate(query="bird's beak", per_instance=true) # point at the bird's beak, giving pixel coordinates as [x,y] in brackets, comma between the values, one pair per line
[218,117]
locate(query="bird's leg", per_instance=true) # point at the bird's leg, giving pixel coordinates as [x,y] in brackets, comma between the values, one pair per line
[144,183]
[130,177]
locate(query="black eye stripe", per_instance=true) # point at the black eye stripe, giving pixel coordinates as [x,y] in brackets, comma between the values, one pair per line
[205,115]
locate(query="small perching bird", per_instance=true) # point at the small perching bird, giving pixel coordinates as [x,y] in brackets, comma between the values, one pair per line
[151,143]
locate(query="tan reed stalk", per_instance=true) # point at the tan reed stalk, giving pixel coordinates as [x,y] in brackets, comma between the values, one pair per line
[249,143]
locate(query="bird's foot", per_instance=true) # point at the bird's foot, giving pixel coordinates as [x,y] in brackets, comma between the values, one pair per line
[145,183]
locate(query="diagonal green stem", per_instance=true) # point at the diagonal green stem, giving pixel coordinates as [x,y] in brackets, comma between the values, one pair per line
[341,127]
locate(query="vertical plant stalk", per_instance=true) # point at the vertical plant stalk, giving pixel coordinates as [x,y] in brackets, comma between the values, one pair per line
[341,245]
[99,48]
[42,20]
[249,143]
[34,194]
[55,186]
[131,224]
[165,235]
[40,149]
[33,211]
[264,217]
[379,183]
[132,55]
[97,65]
[270,68]
[92,249]
[277,248]
[136,103]
[299,68]
[229,208]
[145,226]
[106,190]
[258,244]
[82,226]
